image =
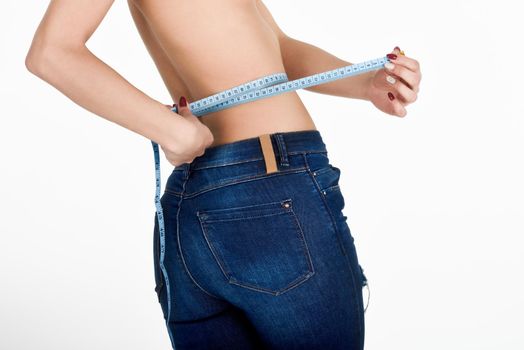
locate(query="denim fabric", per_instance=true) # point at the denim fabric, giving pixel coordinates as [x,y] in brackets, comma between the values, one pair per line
[260,260]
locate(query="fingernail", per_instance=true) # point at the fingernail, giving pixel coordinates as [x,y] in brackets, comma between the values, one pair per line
[391,97]
[182,102]
[396,48]
[389,65]
[391,56]
[390,79]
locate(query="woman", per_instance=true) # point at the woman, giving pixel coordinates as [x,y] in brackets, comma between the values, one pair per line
[257,252]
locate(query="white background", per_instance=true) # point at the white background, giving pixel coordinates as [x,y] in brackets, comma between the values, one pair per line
[434,200]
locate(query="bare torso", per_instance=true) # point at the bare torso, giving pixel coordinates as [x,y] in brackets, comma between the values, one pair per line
[201,47]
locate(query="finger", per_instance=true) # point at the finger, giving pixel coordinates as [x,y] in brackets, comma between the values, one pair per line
[395,107]
[409,77]
[410,63]
[403,92]
[183,107]
[414,86]
[398,51]
[386,82]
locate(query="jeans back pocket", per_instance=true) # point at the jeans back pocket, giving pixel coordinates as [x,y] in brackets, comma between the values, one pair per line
[261,247]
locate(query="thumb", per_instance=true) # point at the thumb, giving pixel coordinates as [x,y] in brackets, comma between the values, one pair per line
[183,107]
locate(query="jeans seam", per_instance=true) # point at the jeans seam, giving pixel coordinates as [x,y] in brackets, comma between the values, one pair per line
[221,265]
[333,222]
[281,145]
[332,188]
[246,217]
[242,180]
[233,280]
[252,159]
[180,245]
[159,279]
[247,178]
[228,164]
[323,170]
[276,205]
[325,205]
[302,237]
[298,281]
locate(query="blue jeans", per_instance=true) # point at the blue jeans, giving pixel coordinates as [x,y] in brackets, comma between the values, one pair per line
[258,252]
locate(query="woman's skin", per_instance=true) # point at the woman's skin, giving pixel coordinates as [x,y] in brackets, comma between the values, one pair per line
[201,47]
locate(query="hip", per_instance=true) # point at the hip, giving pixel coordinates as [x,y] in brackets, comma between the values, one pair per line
[283,178]
[276,195]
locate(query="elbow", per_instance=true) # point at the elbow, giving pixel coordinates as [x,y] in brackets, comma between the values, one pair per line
[43,57]
[31,62]
[35,58]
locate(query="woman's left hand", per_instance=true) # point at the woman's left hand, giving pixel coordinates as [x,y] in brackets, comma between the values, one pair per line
[394,87]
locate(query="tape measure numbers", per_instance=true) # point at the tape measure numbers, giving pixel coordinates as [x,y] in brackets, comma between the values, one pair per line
[276,84]
[256,89]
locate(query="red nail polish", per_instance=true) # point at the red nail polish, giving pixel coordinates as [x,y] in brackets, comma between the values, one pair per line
[182,102]
[391,97]
[391,56]
[396,48]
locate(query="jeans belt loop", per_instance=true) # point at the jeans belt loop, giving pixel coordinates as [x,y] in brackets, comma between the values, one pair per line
[282,149]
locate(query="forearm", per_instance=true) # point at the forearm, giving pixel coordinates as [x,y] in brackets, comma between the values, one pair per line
[302,59]
[95,86]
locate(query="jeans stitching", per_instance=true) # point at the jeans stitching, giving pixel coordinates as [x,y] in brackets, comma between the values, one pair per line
[302,237]
[221,265]
[159,279]
[282,149]
[180,245]
[245,217]
[241,180]
[323,170]
[228,164]
[298,281]
[247,178]
[276,205]
[332,188]
[326,206]
[247,160]
[229,274]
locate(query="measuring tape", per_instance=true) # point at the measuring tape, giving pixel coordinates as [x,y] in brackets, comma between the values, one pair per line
[256,89]
[276,84]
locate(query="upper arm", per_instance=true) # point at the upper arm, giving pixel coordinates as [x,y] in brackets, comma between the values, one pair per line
[68,23]
[264,12]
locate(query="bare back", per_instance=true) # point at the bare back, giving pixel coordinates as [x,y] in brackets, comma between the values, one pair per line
[201,47]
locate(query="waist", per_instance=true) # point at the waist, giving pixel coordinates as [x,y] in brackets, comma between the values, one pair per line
[282,113]
[247,159]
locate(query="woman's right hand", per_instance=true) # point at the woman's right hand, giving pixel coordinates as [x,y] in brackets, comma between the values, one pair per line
[194,141]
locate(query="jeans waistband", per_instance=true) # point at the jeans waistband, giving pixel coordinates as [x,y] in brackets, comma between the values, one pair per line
[284,144]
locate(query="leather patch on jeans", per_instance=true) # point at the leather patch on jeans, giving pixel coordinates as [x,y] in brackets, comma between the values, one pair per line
[269,154]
